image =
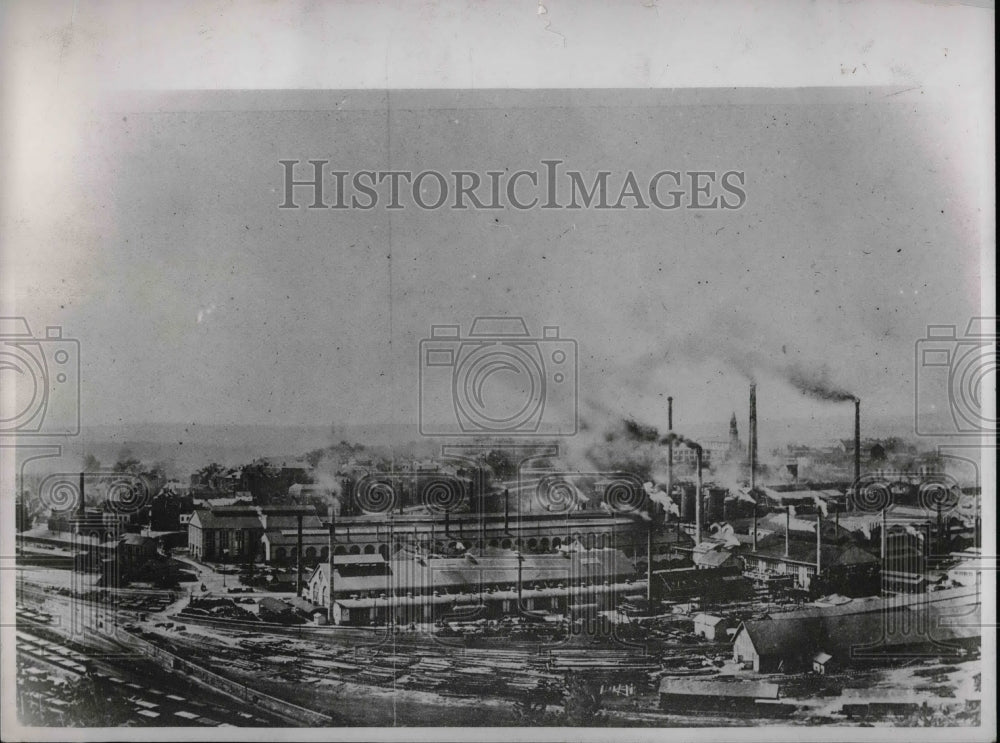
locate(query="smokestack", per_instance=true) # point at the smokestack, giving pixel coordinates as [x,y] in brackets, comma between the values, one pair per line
[753,436]
[649,566]
[697,500]
[788,526]
[330,564]
[884,549]
[940,532]
[755,526]
[298,555]
[819,541]
[857,440]
[80,510]
[670,447]
[506,509]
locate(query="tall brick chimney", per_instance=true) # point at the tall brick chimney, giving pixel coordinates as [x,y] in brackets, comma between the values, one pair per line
[298,555]
[670,447]
[330,564]
[753,436]
[857,440]
[819,541]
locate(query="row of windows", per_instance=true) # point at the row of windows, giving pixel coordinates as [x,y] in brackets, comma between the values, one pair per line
[539,545]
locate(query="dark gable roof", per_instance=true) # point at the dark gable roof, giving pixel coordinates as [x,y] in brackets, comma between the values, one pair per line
[782,636]
[846,633]
[249,517]
[138,540]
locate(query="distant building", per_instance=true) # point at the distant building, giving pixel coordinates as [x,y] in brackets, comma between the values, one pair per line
[844,569]
[823,663]
[409,587]
[711,627]
[124,558]
[235,533]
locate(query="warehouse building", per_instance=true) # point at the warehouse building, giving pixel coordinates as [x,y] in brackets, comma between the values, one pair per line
[916,631]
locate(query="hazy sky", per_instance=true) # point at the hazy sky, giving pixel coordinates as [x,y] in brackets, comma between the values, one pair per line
[197,300]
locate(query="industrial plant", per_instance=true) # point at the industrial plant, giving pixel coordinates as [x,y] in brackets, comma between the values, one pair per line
[701,580]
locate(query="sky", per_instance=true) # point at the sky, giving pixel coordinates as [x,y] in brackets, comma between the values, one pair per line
[196,299]
[146,223]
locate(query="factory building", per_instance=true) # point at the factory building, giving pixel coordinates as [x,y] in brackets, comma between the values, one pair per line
[413,587]
[235,533]
[843,569]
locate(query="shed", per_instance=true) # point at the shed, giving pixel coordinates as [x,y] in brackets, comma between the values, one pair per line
[680,694]
[822,662]
[710,626]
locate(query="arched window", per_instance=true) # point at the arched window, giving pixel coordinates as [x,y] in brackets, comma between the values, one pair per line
[280,554]
[355,549]
[341,550]
[369,549]
[324,553]
[310,553]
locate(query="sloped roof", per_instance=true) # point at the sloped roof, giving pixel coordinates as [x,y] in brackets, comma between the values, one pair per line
[707,619]
[239,518]
[781,636]
[458,573]
[847,633]
[738,689]
[711,558]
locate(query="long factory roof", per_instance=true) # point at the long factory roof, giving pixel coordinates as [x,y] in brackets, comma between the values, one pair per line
[498,568]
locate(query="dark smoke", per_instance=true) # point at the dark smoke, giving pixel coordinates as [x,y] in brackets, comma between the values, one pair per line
[817,384]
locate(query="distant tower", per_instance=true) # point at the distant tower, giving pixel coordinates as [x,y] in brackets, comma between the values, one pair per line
[735,446]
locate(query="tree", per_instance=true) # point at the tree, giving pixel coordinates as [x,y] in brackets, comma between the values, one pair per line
[315,456]
[530,706]
[583,701]
[91,463]
[208,472]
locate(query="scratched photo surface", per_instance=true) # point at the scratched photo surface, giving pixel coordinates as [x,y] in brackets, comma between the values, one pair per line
[560,408]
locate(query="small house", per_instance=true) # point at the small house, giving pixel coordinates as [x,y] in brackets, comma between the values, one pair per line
[710,627]
[822,663]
